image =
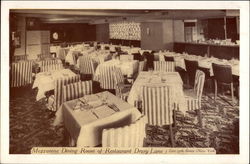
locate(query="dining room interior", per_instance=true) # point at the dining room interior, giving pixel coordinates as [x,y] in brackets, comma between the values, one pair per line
[124,78]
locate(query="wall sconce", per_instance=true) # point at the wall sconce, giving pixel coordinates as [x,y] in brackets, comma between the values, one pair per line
[148,31]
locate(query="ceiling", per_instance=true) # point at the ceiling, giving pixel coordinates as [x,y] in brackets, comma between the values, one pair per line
[98,16]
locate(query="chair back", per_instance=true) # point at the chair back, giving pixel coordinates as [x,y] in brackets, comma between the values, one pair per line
[141,66]
[222,73]
[150,59]
[59,83]
[169,58]
[127,136]
[50,62]
[191,67]
[164,66]
[199,83]
[118,76]
[51,67]
[77,90]
[86,65]
[21,73]
[157,104]
[137,56]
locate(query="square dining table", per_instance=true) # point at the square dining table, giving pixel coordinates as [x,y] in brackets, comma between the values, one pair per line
[86,117]
[45,81]
[157,77]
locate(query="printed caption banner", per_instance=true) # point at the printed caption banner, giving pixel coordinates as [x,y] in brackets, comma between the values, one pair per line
[107,150]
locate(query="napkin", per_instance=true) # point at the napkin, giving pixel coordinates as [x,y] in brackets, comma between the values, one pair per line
[103,111]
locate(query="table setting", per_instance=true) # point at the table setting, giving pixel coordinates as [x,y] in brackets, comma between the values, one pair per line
[86,117]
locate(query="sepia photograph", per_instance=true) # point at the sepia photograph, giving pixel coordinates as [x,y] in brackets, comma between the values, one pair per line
[124,80]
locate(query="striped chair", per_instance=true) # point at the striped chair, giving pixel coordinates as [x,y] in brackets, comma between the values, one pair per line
[21,73]
[157,106]
[164,66]
[122,89]
[142,66]
[50,62]
[193,96]
[55,101]
[51,67]
[86,65]
[76,90]
[127,136]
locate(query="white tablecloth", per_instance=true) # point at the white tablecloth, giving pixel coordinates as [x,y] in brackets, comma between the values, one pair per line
[204,62]
[85,126]
[171,78]
[45,81]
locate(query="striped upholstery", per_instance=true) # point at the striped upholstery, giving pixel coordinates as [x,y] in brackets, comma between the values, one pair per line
[50,62]
[193,97]
[76,90]
[59,83]
[122,90]
[51,67]
[106,77]
[118,76]
[164,66]
[21,73]
[157,104]
[86,65]
[127,136]
[142,65]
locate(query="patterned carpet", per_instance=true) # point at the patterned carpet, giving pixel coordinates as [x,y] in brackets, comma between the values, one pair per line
[30,126]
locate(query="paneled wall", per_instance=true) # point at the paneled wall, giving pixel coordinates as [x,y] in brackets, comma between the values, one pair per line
[38,42]
[157,35]
[20,26]
[102,33]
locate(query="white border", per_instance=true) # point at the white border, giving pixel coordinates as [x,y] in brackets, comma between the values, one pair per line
[244,82]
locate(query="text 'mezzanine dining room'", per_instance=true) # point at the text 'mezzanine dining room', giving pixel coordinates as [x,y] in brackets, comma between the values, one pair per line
[119,78]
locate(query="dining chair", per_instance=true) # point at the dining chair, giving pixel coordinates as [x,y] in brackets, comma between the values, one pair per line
[164,66]
[122,89]
[149,59]
[193,96]
[46,62]
[51,67]
[169,58]
[222,76]
[87,67]
[137,56]
[76,90]
[158,106]
[132,135]
[191,67]
[21,73]
[55,101]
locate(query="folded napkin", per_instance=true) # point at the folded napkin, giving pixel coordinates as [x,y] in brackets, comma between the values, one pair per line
[103,111]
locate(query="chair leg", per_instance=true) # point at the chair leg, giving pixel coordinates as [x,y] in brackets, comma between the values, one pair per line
[199,118]
[174,118]
[232,92]
[215,90]
[171,136]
